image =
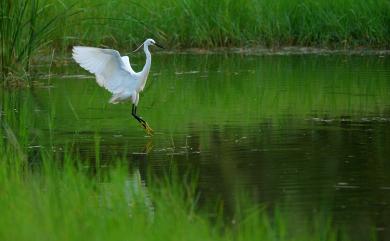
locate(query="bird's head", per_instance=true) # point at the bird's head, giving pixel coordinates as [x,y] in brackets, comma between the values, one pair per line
[147,43]
[151,42]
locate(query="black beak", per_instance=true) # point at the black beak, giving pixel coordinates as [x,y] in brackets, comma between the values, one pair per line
[159,46]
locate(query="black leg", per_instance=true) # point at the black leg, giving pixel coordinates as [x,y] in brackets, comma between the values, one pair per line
[134,114]
[140,120]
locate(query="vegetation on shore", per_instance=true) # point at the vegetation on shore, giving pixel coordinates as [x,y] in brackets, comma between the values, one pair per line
[27,26]
[235,23]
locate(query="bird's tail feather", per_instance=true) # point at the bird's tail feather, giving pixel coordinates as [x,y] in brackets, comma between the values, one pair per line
[114,99]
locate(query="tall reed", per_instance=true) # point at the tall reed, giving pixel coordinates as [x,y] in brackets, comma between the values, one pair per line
[25,27]
[227,23]
[28,25]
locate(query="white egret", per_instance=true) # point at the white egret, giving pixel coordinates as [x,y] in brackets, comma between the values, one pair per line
[114,73]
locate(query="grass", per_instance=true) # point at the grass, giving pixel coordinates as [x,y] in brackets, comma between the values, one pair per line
[227,23]
[64,198]
[24,29]
[51,196]
[28,26]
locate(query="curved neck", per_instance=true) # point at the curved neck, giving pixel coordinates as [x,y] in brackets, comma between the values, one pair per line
[145,70]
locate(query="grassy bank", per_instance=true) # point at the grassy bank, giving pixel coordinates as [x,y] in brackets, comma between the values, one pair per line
[29,26]
[26,27]
[227,23]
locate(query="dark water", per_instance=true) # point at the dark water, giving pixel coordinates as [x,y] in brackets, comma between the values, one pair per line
[307,133]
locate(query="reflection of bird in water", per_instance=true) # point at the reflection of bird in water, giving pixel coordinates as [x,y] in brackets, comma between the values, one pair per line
[136,191]
[148,147]
[135,194]
[145,149]
[114,73]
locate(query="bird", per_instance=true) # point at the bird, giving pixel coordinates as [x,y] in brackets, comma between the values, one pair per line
[115,73]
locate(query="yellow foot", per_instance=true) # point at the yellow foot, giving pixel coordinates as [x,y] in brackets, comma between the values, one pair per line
[147,128]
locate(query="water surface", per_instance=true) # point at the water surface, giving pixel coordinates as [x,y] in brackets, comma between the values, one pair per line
[307,133]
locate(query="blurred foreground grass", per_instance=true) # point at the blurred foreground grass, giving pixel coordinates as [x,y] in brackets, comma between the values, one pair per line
[63,199]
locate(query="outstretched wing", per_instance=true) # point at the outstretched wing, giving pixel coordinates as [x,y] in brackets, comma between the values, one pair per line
[126,62]
[108,66]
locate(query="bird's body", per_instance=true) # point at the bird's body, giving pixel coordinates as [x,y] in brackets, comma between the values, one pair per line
[114,73]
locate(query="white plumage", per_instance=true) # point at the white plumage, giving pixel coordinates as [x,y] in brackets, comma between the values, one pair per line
[114,72]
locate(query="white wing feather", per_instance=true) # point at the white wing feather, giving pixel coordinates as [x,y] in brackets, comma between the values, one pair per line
[126,62]
[112,71]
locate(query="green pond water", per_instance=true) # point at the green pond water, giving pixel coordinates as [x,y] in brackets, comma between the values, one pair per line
[307,133]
